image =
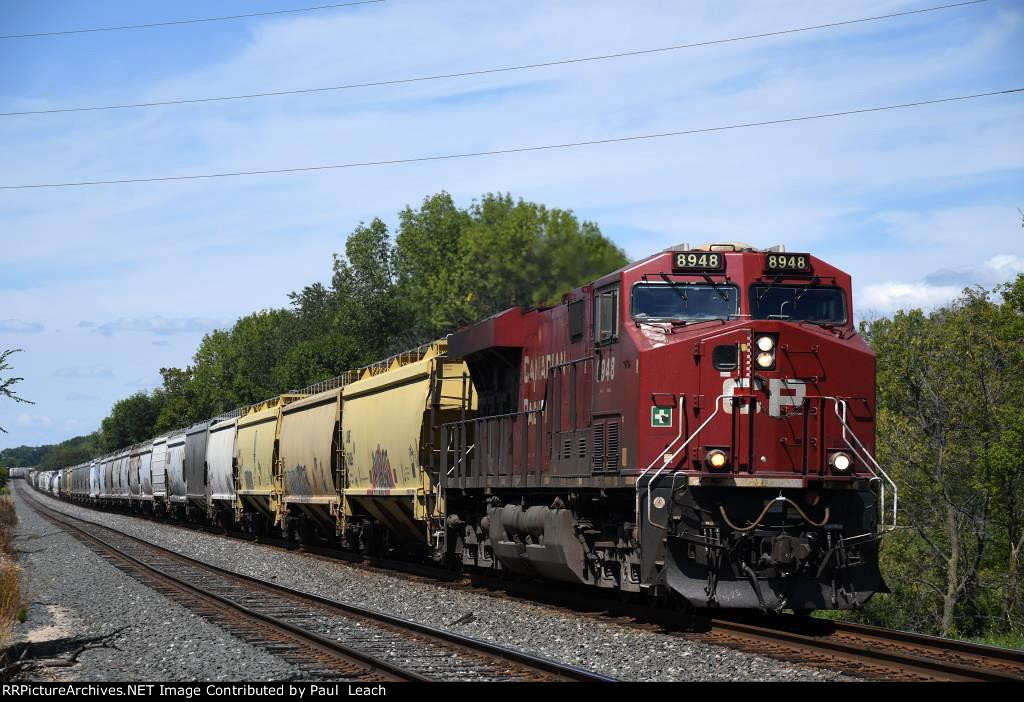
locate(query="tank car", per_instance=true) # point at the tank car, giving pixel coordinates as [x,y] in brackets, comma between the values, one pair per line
[698,425]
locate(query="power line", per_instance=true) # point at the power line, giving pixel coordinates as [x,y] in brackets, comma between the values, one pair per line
[189,21]
[514,150]
[486,71]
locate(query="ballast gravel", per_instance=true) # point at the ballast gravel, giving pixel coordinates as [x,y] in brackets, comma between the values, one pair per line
[614,649]
[129,632]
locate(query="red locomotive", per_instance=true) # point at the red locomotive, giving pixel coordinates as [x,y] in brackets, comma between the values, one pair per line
[699,424]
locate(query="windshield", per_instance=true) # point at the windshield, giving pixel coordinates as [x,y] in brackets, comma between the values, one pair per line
[662,302]
[799,303]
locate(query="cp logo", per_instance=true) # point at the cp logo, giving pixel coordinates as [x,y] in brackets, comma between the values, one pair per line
[782,392]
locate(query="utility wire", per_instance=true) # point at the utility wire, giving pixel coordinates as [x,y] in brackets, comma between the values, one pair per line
[486,71]
[514,150]
[189,21]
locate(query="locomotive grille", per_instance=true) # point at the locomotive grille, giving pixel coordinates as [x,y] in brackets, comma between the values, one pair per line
[612,452]
[606,446]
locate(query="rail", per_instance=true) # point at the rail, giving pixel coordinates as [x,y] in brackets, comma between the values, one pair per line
[488,660]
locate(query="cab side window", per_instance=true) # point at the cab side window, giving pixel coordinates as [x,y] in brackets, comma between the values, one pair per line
[577,326]
[606,315]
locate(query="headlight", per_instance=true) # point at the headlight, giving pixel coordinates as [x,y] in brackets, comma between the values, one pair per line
[716,459]
[765,360]
[765,343]
[840,462]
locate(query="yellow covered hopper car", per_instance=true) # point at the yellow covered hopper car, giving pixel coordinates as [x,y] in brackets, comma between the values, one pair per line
[258,490]
[310,463]
[390,431]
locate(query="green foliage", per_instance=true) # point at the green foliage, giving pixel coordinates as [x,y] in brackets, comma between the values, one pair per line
[7,384]
[368,306]
[73,451]
[23,455]
[458,266]
[951,429]
[131,420]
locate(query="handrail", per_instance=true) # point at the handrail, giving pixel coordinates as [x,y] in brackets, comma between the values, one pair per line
[461,458]
[856,447]
[494,416]
[450,433]
[669,459]
[865,456]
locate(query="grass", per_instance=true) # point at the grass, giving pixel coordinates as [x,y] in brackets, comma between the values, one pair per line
[1000,640]
[1009,640]
[10,593]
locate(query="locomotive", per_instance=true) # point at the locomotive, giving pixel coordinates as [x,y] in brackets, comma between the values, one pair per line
[699,424]
[696,427]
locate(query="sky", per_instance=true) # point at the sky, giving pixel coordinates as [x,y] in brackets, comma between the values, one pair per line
[101,286]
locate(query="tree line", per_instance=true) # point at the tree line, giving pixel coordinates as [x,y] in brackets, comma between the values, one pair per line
[951,427]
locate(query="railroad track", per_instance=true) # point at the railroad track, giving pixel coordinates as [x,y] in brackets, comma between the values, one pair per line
[322,638]
[857,649]
[868,651]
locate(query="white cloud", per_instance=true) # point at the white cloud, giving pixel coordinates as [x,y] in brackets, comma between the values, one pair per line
[887,197]
[1005,266]
[890,296]
[83,372]
[159,325]
[17,326]
[81,397]
[998,269]
[32,420]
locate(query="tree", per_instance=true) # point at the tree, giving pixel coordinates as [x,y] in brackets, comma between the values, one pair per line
[179,407]
[7,384]
[949,385]
[428,249]
[73,451]
[456,266]
[131,420]
[369,307]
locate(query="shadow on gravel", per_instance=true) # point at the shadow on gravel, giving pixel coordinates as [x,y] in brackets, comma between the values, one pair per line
[26,657]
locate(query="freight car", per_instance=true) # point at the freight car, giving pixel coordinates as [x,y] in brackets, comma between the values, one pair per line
[697,426]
